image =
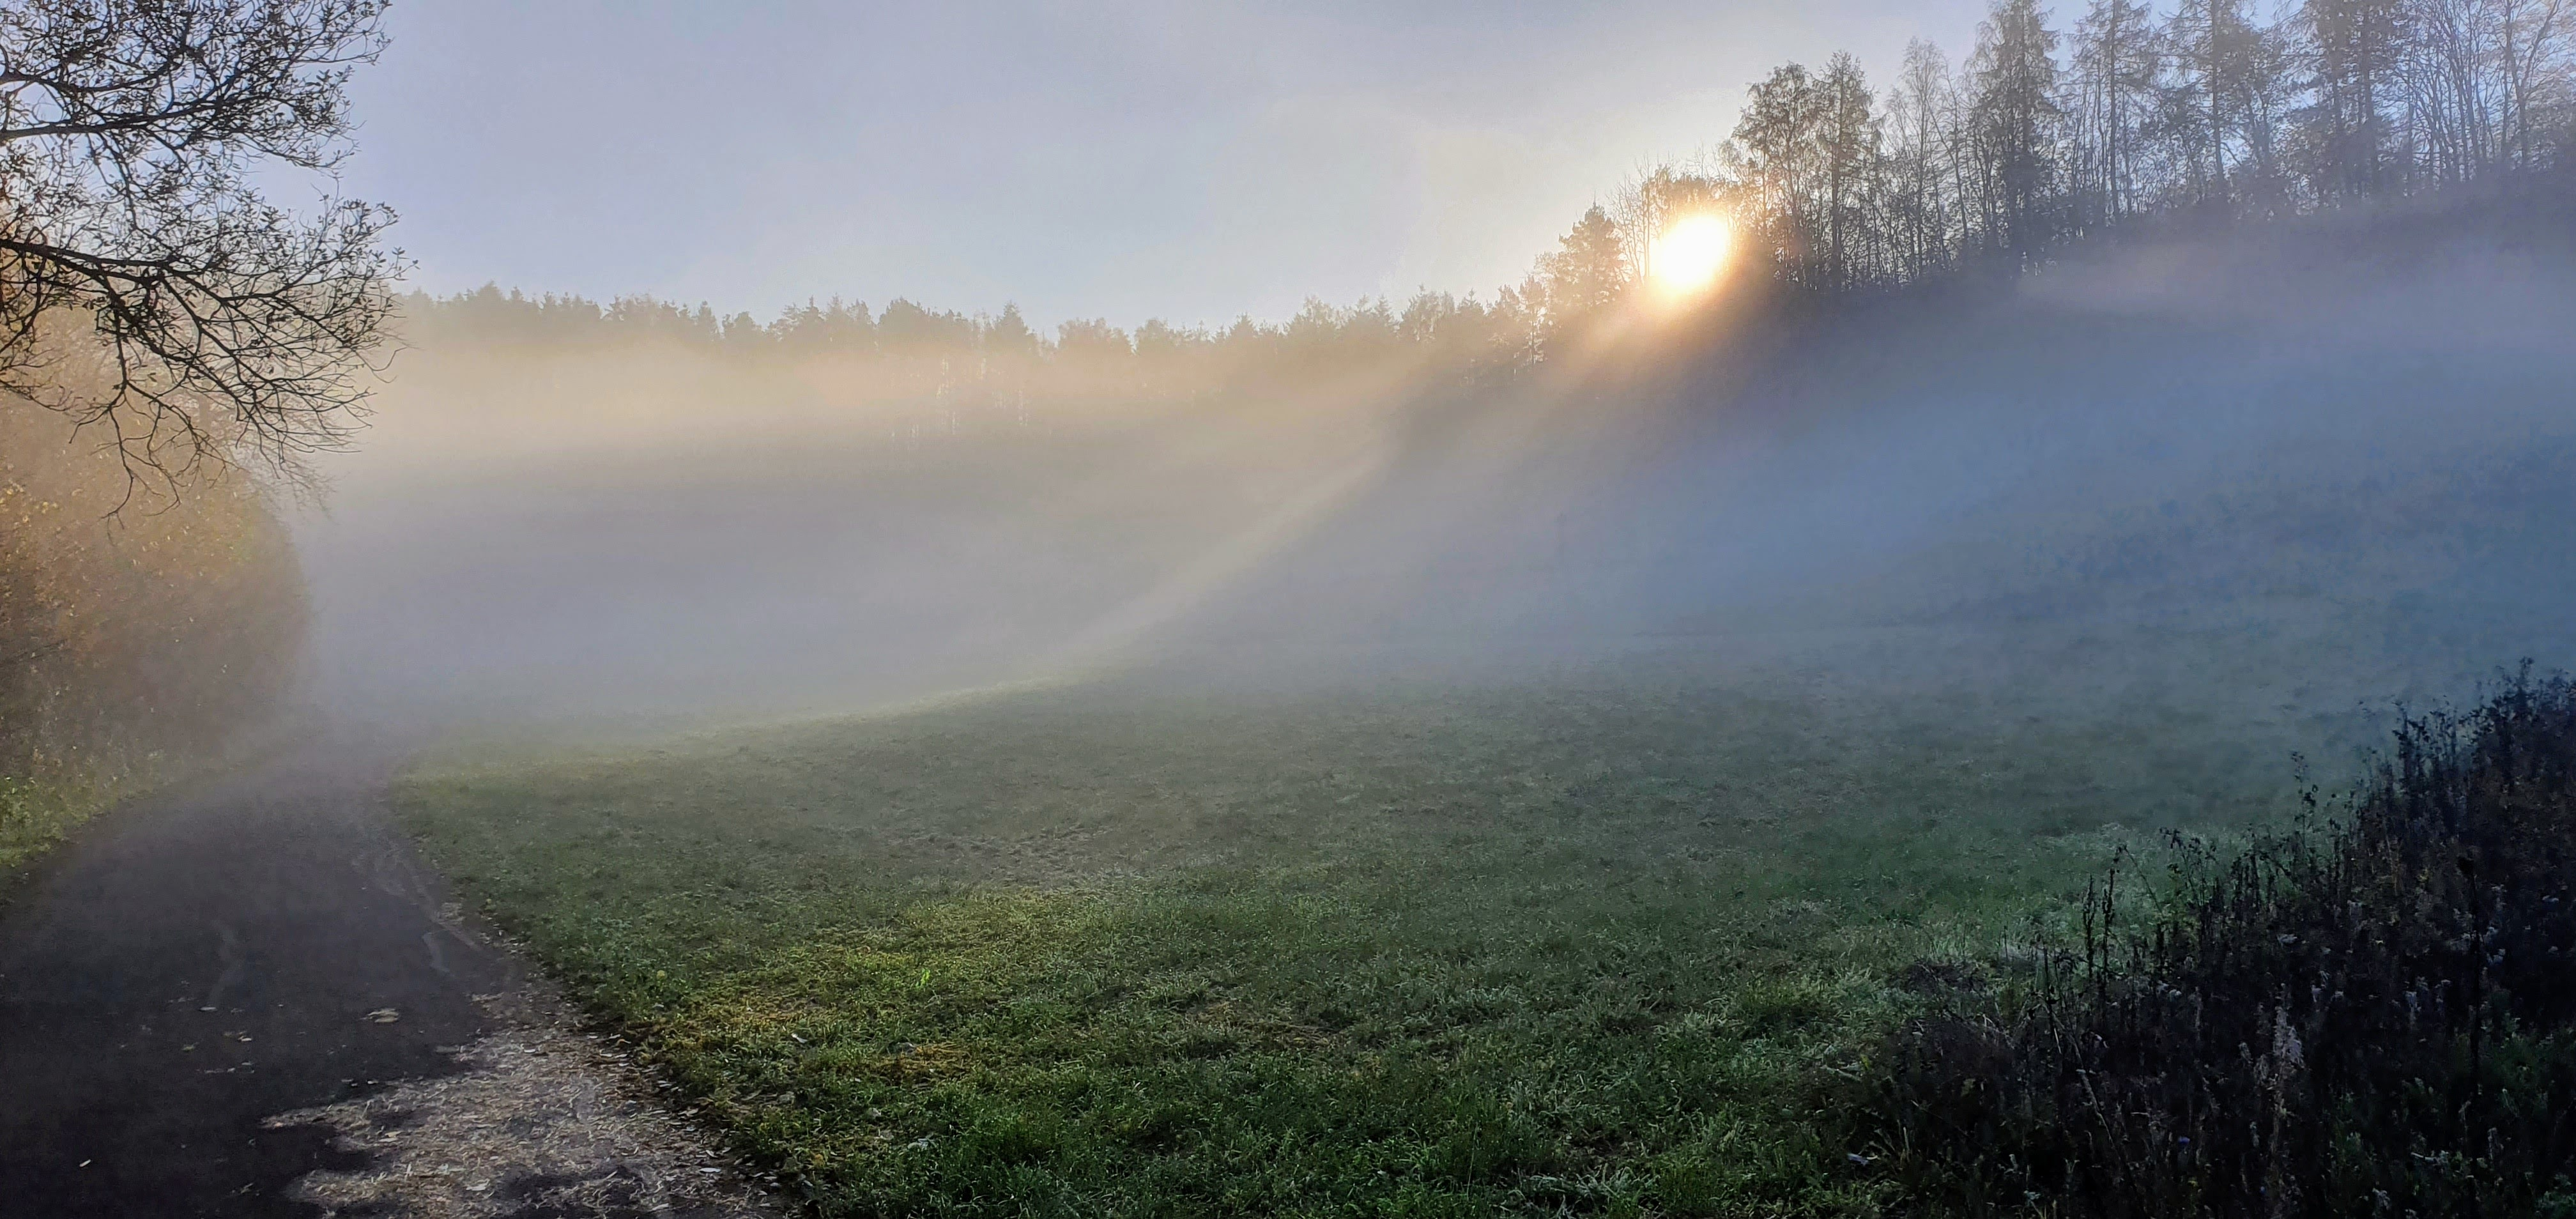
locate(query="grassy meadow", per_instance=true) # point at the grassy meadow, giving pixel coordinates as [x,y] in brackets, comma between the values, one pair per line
[1615,940]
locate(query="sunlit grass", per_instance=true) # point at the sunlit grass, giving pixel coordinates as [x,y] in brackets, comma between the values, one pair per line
[1592,946]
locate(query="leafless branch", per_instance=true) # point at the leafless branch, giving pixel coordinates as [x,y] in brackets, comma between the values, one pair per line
[224,326]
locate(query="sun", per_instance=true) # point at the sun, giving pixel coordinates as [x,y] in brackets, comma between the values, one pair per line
[1688,257]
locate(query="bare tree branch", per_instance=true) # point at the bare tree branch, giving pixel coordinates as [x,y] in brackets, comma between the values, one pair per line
[225,326]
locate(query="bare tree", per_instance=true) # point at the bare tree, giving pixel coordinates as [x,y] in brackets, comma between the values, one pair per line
[2216,51]
[1777,151]
[1918,111]
[2532,39]
[146,285]
[1849,134]
[2449,91]
[2115,63]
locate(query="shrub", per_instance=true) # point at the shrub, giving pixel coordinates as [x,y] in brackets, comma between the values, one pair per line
[2373,1014]
[138,617]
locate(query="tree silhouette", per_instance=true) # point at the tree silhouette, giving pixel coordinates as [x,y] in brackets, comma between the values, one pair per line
[145,283]
[1589,270]
[2014,115]
[1848,135]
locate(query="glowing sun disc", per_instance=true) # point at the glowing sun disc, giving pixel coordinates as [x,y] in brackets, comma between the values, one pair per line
[1689,255]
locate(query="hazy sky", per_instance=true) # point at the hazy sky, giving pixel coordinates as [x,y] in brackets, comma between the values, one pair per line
[1145,158]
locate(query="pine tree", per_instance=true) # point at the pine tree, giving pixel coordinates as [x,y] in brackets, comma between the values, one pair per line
[1590,269]
[2354,48]
[2014,115]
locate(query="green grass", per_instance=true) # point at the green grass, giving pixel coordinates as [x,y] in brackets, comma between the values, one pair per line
[35,815]
[1612,943]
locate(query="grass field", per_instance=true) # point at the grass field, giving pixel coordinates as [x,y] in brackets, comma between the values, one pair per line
[1614,941]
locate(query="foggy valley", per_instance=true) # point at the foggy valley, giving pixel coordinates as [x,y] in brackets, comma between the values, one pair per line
[2210,426]
[1991,642]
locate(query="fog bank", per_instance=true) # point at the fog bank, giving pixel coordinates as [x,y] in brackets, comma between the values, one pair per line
[2352,442]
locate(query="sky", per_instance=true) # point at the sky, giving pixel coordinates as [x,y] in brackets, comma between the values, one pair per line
[1126,160]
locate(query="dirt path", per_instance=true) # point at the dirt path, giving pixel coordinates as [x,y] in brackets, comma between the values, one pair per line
[249,998]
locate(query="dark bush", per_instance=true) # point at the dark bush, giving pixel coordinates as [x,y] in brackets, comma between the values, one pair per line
[2369,1015]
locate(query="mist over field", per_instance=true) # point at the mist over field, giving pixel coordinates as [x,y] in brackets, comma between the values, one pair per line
[2245,432]
[1741,704]
[1993,642]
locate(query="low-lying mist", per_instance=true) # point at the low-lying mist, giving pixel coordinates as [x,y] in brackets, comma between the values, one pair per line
[2330,460]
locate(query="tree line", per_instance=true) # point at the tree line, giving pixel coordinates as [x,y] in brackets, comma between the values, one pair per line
[2049,134]
[228,324]
[909,351]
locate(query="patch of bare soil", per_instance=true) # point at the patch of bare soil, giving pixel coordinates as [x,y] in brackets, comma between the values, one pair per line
[539,1121]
